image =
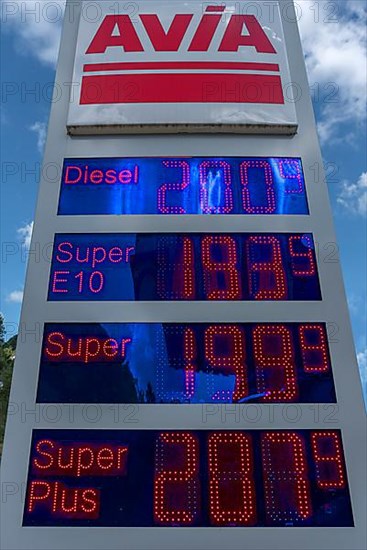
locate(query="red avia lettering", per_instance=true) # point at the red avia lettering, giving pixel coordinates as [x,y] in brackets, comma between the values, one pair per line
[170,41]
[119,31]
[62,501]
[61,348]
[81,459]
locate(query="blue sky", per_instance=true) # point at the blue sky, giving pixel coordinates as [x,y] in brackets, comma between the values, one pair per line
[335,50]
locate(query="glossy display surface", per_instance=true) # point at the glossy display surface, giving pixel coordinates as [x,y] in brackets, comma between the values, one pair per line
[166,267]
[185,363]
[187,478]
[186,185]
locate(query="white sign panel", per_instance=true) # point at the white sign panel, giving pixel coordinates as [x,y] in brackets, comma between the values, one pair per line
[185,374]
[182,67]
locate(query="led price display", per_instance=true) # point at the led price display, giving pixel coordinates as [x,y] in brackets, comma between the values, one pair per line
[187,185]
[185,363]
[187,478]
[246,266]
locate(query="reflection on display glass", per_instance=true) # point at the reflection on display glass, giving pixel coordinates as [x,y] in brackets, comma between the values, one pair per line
[185,363]
[144,478]
[160,267]
[183,186]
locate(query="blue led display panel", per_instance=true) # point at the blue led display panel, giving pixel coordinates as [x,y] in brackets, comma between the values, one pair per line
[187,185]
[159,267]
[185,363]
[143,478]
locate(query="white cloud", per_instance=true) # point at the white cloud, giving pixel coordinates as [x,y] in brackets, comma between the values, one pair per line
[336,55]
[359,7]
[40,128]
[353,196]
[362,361]
[37,25]
[355,302]
[25,233]
[16,297]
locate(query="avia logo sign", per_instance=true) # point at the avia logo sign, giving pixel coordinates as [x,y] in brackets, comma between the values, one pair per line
[173,67]
[184,57]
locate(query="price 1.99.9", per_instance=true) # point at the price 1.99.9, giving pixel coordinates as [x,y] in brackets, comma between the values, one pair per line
[185,363]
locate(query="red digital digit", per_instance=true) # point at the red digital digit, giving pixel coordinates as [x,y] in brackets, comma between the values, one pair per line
[287,491]
[221,276]
[233,359]
[290,171]
[231,483]
[275,363]
[176,480]
[176,276]
[190,356]
[267,278]
[210,187]
[269,185]
[314,348]
[328,457]
[182,358]
[163,207]
[303,262]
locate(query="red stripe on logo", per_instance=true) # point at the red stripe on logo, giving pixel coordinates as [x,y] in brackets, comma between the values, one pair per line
[215,8]
[141,66]
[181,88]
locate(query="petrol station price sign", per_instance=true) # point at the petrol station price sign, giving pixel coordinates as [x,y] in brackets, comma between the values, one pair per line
[188,478]
[184,274]
[152,185]
[186,363]
[239,266]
